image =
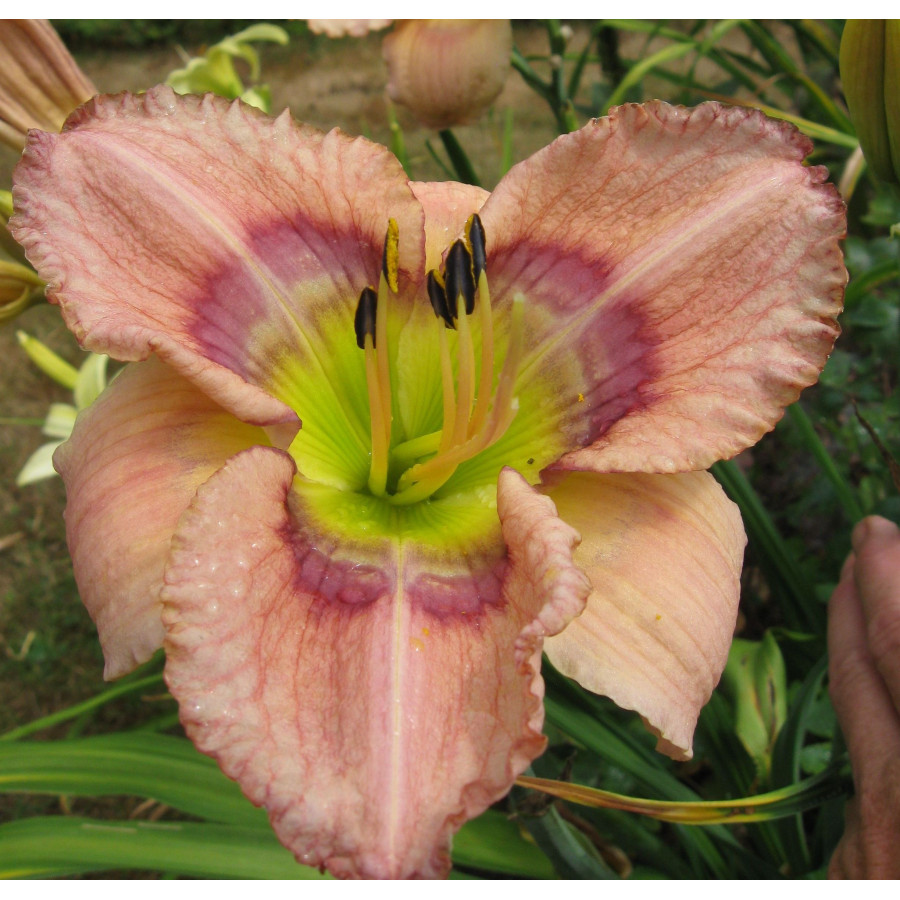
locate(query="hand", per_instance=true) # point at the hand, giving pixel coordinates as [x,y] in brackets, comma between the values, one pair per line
[864,652]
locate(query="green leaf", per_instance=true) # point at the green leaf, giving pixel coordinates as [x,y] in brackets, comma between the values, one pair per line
[578,714]
[139,764]
[495,843]
[126,686]
[52,846]
[572,853]
[172,771]
[778,564]
[787,801]
[262,31]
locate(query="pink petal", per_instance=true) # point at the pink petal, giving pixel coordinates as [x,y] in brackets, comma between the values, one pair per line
[219,238]
[131,467]
[664,554]
[682,273]
[370,704]
[447,206]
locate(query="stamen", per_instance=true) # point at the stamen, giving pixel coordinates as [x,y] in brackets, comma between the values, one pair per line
[476,239]
[471,421]
[438,297]
[465,374]
[366,323]
[448,393]
[390,258]
[459,277]
[476,242]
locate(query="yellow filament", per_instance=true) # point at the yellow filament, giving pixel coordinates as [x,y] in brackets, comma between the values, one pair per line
[380,435]
[381,354]
[466,374]
[486,380]
[448,390]
[422,480]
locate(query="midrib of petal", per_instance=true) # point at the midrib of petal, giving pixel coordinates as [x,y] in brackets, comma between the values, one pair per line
[398,658]
[635,267]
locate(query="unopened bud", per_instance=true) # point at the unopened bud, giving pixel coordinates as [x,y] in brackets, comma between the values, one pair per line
[870,72]
[19,288]
[447,71]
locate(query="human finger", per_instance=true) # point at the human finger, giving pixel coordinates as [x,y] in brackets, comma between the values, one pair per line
[864,706]
[876,544]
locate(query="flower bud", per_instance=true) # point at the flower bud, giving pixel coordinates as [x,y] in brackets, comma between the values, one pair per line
[40,83]
[870,72]
[7,241]
[447,71]
[756,683]
[19,287]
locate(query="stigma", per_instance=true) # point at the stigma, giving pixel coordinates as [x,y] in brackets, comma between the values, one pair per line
[478,406]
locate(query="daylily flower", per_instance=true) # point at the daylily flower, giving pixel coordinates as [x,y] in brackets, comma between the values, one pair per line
[353,612]
[40,83]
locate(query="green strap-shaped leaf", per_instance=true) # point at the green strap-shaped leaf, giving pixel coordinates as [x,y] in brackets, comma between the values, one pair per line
[50,846]
[165,768]
[786,801]
[172,771]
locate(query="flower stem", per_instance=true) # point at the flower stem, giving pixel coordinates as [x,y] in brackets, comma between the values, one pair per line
[461,163]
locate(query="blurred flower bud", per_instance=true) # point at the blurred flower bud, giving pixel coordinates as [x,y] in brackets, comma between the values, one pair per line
[870,72]
[338,28]
[447,71]
[755,681]
[86,383]
[7,241]
[19,288]
[40,83]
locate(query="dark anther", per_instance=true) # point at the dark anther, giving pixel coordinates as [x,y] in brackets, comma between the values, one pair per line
[439,300]
[364,323]
[477,243]
[459,277]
